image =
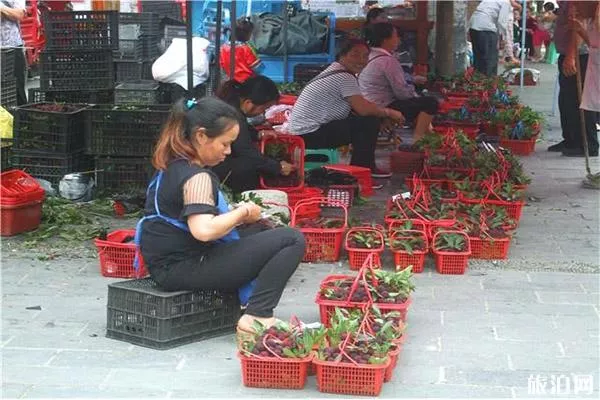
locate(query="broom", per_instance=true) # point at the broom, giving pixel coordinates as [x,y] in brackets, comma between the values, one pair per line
[592,181]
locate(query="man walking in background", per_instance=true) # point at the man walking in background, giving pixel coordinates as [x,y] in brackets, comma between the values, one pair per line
[489,20]
[12,13]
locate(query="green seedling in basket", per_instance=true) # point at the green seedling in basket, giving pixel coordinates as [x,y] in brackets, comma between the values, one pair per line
[283,340]
[508,192]
[451,242]
[391,287]
[364,240]
[408,243]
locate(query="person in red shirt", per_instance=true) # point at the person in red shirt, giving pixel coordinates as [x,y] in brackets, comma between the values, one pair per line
[246,60]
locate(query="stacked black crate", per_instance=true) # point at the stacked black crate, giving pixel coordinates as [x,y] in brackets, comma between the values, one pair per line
[139,46]
[77,65]
[8,82]
[75,68]
[122,137]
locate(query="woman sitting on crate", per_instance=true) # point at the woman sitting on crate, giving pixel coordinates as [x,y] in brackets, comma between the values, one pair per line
[241,169]
[188,237]
[331,112]
[384,83]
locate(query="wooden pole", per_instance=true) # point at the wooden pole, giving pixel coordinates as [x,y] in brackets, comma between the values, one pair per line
[444,41]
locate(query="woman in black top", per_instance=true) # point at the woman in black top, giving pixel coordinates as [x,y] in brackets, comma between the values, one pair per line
[188,236]
[241,170]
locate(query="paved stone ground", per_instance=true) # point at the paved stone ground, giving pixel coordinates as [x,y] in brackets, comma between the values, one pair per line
[481,335]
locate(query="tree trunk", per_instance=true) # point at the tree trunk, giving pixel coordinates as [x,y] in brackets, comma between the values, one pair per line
[444,39]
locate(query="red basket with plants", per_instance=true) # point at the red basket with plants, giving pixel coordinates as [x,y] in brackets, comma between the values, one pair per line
[520,147]
[489,229]
[352,361]
[420,206]
[389,291]
[362,174]
[323,234]
[116,252]
[304,193]
[406,224]
[406,160]
[505,195]
[278,357]
[451,251]
[360,243]
[284,148]
[409,248]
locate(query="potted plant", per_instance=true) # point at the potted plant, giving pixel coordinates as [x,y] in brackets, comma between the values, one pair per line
[360,243]
[451,250]
[278,357]
[409,248]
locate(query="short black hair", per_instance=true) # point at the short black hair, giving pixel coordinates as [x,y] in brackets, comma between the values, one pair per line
[348,44]
[374,13]
[549,6]
[243,29]
[375,34]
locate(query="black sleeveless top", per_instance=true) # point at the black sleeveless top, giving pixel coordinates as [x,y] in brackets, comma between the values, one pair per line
[163,244]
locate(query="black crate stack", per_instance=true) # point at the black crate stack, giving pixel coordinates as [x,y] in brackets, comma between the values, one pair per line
[139,46]
[77,64]
[48,140]
[8,82]
[121,137]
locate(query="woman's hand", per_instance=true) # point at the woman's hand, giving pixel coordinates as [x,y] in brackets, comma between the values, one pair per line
[394,115]
[420,80]
[251,212]
[569,67]
[267,135]
[286,168]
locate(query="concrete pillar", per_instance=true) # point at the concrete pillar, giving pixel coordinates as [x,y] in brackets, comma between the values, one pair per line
[461,26]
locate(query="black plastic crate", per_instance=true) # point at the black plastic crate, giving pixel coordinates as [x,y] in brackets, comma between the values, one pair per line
[50,166]
[140,92]
[84,30]
[77,70]
[118,174]
[143,48]
[133,25]
[72,96]
[7,64]
[5,152]
[8,94]
[123,130]
[50,127]
[164,8]
[172,32]
[128,70]
[139,312]
[304,73]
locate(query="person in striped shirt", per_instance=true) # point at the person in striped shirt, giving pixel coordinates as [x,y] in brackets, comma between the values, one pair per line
[383,81]
[331,112]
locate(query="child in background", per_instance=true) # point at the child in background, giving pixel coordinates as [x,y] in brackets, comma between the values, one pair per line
[247,62]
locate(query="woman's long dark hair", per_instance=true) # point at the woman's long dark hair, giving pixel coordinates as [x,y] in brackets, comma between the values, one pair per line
[187,116]
[259,90]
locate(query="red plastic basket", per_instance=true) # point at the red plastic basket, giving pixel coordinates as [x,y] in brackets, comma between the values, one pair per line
[488,249]
[403,259]
[116,257]
[322,244]
[410,182]
[327,307]
[295,150]
[362,174]
[417,225]
[274,373]
[519,147]
[439,173]
[349,378]
[17,217]
[514,209]
[451,263]
[358,256]
[20,187]
[406,162]
[304,193]
[288,99]
[394,355]
[470,130]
